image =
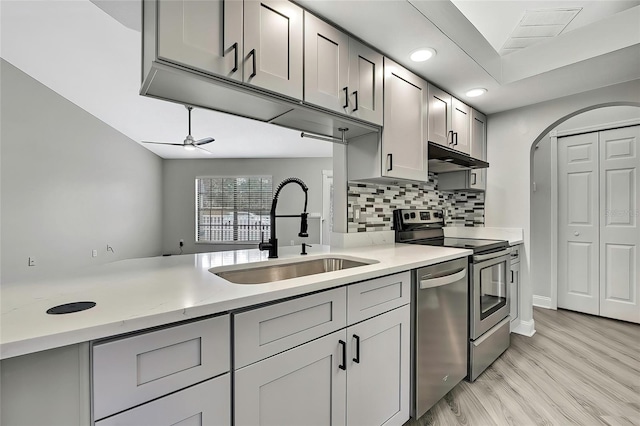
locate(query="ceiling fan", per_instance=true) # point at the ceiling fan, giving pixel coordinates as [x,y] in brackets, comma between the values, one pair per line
[189,143]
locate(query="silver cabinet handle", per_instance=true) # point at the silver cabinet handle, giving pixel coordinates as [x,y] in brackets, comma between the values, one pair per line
[577,234]
[481,257]
[440,281]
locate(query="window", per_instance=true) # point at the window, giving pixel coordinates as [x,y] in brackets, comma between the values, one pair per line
[233,209]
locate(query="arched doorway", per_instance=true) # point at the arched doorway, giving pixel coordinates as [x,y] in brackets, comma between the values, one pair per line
[543,209]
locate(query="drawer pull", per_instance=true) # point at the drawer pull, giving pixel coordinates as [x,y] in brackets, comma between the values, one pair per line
[356,359]
[343,365]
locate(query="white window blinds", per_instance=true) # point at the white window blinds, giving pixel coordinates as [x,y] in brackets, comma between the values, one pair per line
[233,208]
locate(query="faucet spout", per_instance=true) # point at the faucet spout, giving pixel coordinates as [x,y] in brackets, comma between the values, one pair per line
[272,244]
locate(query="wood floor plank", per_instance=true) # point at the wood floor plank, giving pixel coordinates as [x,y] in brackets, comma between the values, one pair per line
[577,369]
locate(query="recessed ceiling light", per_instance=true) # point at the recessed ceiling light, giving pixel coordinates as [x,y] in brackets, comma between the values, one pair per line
[476,92]
[423,54]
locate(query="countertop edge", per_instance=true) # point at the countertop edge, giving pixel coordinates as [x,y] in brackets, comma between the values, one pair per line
[144,322]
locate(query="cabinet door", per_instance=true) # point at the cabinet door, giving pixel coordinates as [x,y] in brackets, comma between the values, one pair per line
[204,35]
[478,179]
[515,291]
[326,65]
[439,116]
[302,386]
[273,46]
[404,135]
[208,403]
[478,135]
[461,124]
[378,370]
[365,83]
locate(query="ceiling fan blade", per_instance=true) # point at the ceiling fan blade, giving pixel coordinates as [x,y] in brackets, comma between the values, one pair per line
[202,149]
[204,141]
[164,143]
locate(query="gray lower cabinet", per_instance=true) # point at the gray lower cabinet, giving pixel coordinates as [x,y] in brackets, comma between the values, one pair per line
[302,386]
[48,388]
[135,370]
[346,358]
[515,284]
[378,370]
[207,403]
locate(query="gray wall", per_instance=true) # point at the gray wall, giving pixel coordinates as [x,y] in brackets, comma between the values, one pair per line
[179,204]
[541,218]
[70,184]
[541,198]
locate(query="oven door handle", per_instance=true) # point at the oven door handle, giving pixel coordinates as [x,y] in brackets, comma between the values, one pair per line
[440,281]
[481,257]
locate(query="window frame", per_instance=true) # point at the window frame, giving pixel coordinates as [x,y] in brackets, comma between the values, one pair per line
[197,210]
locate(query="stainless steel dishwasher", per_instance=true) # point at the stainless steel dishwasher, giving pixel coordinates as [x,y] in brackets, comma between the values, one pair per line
[440,339]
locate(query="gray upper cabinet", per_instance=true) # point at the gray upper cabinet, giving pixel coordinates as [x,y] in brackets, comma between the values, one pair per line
[449,121]
[340,73]
[404,135]
[326,65]
[203,35]
[366,77]
[440,117]
[273,46]
[478,135]
[461,126]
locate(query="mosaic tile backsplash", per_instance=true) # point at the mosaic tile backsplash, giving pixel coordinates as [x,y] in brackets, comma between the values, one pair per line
[376,203]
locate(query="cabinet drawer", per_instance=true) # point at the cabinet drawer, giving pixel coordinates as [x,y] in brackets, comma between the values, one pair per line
[266,331]
[207,403]
[369,298]
[137,369]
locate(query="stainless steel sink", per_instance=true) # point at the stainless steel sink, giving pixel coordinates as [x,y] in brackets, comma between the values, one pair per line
[285,271]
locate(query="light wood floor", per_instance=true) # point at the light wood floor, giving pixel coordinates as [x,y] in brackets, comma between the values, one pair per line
[576,370]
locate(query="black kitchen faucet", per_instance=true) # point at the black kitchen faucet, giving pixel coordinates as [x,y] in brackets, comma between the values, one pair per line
[272,244]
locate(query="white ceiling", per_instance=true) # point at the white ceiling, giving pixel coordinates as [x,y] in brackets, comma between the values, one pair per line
[79,50]
[511,16]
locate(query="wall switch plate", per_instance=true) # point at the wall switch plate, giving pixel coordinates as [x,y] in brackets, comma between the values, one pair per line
[94,253]
[32,261]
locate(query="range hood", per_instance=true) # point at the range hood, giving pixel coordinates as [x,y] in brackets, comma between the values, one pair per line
[443,160]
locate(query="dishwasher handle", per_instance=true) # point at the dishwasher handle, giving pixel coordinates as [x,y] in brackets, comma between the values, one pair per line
[440,281]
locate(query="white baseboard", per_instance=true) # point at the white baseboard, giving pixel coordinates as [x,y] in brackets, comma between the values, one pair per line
[526,328]
[542,302]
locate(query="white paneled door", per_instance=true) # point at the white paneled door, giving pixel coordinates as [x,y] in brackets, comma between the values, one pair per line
[619,230]
[578,224]
[598,232]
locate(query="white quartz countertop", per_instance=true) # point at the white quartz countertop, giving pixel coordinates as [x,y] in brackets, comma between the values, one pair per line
[136,294]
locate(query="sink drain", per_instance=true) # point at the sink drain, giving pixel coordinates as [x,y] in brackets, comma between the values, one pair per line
[69,308]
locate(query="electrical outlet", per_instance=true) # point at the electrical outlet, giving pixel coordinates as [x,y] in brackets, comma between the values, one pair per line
[32,261]
[94,253]
[356,212]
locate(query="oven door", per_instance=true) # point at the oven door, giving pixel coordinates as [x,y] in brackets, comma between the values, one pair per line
[490,296]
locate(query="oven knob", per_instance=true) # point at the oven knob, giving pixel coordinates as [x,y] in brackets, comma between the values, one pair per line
[413,215]
[406,216]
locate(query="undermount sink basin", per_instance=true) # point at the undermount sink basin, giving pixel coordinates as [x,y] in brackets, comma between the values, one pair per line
[285,271]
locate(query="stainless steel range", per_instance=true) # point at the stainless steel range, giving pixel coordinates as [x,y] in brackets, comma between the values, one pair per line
[488,325]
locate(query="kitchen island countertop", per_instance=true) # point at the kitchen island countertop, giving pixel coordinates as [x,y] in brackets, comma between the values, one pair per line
[136,294]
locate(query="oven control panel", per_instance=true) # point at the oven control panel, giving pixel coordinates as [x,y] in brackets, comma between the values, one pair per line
[420,217]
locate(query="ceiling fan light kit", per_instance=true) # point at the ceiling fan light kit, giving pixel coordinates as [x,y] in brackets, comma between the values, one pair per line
[189,143]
